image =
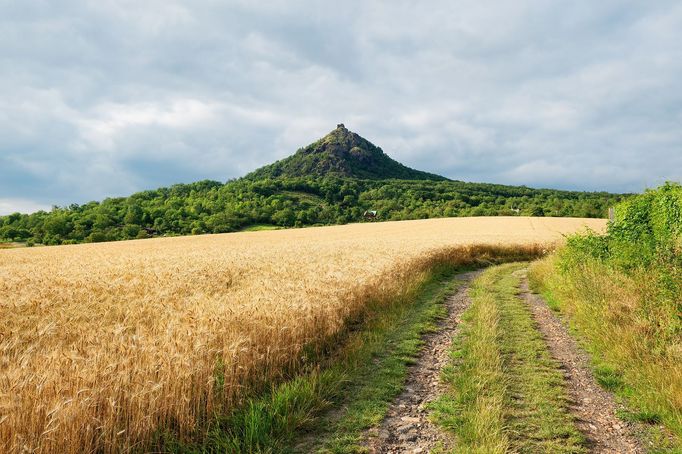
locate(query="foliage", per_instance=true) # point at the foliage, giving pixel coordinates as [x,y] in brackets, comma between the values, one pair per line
[645,239]
[343,154]
[332,181]
[647,231]
[622,292]
[213,207]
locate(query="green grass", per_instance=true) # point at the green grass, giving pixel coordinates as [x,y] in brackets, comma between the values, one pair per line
[379,376]
[505,392]
[303,197]
[359,381]
[259,227]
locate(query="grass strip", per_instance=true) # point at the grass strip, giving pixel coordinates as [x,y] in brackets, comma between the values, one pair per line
[505,392]
[383,354]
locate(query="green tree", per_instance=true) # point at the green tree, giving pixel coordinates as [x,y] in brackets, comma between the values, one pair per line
[133,215]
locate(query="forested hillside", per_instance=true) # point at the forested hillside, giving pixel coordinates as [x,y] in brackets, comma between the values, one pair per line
[341,153]
[334,180]
[213,207]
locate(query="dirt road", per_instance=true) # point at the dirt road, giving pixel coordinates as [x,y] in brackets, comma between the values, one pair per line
[406,428]
[594,408]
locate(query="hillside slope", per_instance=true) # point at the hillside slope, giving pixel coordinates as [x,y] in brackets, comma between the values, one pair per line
[332,181]
[341,153]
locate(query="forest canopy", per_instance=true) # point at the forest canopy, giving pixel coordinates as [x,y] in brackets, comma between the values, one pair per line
[214,207]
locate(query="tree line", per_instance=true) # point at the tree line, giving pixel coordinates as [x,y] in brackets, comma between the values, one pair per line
[214,207]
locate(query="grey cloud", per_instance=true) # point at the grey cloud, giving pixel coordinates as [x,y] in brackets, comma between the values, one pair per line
[105,98]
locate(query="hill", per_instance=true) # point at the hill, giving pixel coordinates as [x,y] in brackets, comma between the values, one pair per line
[344,154]
[332,181]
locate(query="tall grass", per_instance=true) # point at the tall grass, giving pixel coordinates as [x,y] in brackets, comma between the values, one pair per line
[104,345]
[622,292]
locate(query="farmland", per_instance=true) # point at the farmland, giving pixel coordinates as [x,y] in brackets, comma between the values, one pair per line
[104,344]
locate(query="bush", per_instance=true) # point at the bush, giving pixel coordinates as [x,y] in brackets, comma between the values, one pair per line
[647,227]
[622,292]
[96,237]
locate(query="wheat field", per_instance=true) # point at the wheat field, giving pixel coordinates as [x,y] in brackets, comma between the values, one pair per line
[102,344]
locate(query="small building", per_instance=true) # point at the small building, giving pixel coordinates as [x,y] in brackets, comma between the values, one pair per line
[370,214]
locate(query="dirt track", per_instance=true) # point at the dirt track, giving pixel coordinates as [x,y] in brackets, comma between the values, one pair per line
[593,407]
[406,428]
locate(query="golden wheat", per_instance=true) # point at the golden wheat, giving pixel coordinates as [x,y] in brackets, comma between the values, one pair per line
[102,344]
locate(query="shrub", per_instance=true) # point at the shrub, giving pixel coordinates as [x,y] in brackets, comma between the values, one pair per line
[622,292]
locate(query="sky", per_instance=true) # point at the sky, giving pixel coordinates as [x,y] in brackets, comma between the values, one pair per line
[105,98]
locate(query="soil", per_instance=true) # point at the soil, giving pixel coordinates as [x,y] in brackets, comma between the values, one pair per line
[406,428]
[594,408]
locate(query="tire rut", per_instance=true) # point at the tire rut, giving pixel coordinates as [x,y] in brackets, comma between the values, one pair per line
[406,427]
[594,408]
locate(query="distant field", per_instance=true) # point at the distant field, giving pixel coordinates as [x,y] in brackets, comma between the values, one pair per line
[102,344]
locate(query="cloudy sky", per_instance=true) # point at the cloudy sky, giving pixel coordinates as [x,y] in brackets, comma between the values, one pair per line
[106,97]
